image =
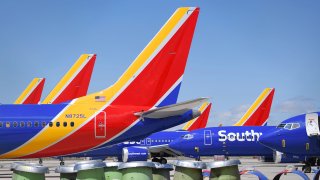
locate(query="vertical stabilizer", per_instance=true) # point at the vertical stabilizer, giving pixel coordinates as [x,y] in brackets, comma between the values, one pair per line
[33,92]
[258,113]
[202,120]
[74,83]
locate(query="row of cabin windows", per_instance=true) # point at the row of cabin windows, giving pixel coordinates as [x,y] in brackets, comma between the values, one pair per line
[142,141]
[35,124]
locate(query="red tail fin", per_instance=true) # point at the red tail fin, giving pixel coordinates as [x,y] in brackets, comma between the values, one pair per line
[33,92]
[74,83]
[202,120]
[258,113]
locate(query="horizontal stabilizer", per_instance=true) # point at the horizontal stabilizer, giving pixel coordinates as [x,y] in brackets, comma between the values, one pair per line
[172,110]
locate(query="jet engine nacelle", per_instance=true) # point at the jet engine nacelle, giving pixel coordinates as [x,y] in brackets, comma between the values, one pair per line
[279,157]
[134,154]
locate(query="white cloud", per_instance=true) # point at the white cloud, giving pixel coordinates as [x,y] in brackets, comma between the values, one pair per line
[297,105]
[231,116]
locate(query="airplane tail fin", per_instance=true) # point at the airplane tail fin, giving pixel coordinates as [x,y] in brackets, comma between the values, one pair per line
[33,92]
[74,83]
[258,113]
[154,77]
[202,120]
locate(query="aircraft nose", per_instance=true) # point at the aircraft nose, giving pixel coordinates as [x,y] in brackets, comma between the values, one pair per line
[269,139]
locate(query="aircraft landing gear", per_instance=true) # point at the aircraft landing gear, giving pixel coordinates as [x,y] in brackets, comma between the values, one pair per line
[61,161]
[310,162]
[163,160]
[40,161]
[306,168]
[198,158]
[155,159]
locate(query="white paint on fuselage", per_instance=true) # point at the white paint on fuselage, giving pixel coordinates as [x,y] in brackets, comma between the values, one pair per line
[244,136]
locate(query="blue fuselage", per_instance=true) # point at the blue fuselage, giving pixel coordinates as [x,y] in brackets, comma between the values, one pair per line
[156,139]
[290,137]
[230,141]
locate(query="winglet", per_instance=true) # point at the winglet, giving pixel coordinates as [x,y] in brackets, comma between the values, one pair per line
[258,113]
[74,83]
[172,110]
[202,120]
[33,92]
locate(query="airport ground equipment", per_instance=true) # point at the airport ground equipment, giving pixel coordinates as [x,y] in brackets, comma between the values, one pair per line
[224,170]
[188,170]
[111,171]
[90,170]
[293,170]
[28,171]
[138,170]
[254,172]
[161,171]
[66,172]
[316,174]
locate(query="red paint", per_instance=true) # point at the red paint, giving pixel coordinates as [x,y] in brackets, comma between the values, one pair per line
[78,87]
[261,115]
[35,95]
[202,120]
[143,92]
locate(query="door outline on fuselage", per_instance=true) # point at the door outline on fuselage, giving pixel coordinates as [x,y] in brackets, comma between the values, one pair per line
[103,125]
[207,137]
[312,124]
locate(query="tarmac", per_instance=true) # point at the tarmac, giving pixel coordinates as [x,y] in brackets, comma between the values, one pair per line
[269,169]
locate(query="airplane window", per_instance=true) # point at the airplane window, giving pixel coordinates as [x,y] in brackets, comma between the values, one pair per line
[72,124]
[295,126]
[50,124]
[281,125]
[36,124]
[288,126]
[22,124]
[7,124]
[15,124]
[65,124]
[188,136]
[1,124]
[29,124]
[57,124]
[43,124]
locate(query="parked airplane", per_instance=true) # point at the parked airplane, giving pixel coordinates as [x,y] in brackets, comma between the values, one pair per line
[74,83]
[32,94]
[144,97]
[230,140]
[154,145]
[296,137]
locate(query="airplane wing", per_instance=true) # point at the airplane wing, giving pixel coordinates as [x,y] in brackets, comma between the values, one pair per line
[33,92]
[172,110]
[201,121]
[164,148]
[74,83]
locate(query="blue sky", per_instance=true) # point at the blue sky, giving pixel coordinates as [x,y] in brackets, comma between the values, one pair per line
[239,48]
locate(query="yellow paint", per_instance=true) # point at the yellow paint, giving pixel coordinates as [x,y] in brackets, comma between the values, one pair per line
[33,84]
[85,105]
[254,106]
[201,109]
[66,79]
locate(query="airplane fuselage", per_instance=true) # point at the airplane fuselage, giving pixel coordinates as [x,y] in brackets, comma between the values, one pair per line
[228,140]
[31,131]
